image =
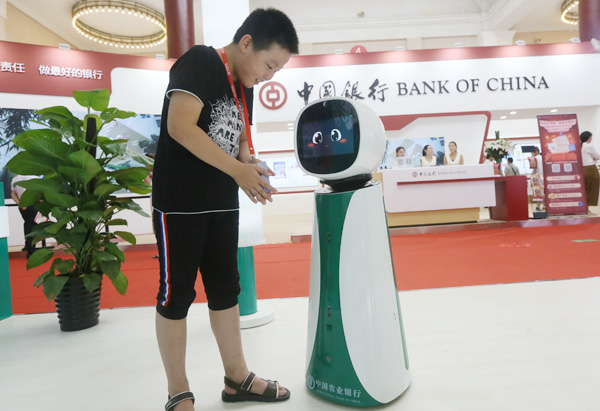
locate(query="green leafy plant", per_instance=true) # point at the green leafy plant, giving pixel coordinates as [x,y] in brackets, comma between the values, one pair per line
[76,192]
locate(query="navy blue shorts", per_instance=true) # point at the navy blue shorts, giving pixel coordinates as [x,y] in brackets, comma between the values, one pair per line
[190,242]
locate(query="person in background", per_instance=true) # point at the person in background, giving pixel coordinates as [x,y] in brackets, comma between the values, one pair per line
[489,159]
[453,158]
[511,169]
[428,159]
[539,169]
[28,213]
[400,151]
[202,161]
[589,157]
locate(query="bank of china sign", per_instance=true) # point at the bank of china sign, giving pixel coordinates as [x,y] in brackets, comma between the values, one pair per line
[447,86]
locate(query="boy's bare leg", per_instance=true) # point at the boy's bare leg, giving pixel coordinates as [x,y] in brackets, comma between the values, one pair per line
[171,336]
[226,327]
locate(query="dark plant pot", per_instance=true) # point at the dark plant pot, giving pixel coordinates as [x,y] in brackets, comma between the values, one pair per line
[77,308]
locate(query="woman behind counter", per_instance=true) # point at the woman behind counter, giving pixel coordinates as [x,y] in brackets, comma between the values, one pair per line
[428,159]
[453,158]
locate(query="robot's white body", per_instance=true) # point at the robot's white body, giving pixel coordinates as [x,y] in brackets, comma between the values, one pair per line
[356,350]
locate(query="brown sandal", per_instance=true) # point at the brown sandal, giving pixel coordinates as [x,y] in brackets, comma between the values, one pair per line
[243,393]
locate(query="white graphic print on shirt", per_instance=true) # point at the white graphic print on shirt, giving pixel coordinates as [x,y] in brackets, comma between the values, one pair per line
[226,125]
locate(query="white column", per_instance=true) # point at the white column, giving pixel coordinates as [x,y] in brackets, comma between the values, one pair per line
[220,20]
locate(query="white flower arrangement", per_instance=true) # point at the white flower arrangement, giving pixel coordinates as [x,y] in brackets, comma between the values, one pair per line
[498,148]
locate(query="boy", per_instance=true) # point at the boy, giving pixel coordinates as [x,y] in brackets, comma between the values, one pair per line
[202,157]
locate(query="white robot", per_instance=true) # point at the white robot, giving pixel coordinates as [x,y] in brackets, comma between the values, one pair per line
[356,352]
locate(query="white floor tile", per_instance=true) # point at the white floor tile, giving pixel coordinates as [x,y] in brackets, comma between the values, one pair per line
[518,347]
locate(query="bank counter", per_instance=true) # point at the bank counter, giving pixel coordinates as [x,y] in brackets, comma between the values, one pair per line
[437,195]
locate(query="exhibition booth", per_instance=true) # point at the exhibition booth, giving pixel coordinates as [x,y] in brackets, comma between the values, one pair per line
[445,95]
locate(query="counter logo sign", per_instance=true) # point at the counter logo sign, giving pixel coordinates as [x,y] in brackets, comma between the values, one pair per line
[414,174]
[273,95]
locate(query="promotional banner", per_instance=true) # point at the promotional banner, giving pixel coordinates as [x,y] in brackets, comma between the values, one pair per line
[563,170]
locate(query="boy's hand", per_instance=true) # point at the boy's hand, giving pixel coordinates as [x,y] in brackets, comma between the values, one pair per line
[248,177]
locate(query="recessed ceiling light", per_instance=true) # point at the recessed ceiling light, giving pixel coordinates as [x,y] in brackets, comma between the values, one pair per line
[520,42]
[502,118]
[553,110]
[458,45]
[513,112]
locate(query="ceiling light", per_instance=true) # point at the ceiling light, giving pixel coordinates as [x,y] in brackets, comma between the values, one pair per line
[458,45]
[513,112]
[520,42]
[503,117]
[566,15]
[553,110]
[575,40]
[136,9]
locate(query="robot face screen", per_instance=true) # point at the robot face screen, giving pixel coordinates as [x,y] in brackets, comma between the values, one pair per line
[328,137]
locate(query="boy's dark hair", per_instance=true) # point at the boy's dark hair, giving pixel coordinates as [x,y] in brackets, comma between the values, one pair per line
[510,159]
[268,26]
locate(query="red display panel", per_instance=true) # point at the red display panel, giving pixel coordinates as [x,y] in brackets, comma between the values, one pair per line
[564,188]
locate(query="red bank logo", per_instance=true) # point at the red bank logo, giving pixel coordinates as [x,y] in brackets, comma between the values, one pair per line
[272,95]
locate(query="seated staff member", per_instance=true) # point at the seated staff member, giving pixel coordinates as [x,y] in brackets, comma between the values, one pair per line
[428,159]
[453,158]
[511,169]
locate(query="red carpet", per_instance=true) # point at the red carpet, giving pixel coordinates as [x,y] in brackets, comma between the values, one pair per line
[454,259]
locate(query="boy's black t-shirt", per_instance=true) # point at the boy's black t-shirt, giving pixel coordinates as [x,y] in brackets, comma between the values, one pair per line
[181,181]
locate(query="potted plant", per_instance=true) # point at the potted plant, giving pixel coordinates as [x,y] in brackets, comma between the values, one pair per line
[77,193]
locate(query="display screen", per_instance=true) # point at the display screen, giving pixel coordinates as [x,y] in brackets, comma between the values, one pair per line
[328,137]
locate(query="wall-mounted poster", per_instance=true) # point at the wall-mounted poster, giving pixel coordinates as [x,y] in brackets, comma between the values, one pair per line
[564,188]
[407,152]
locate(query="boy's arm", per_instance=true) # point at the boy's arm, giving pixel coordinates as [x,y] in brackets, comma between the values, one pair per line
[184,111]
[244,156]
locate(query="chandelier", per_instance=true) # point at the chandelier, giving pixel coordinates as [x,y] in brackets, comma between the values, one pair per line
[84,7]
[566,14]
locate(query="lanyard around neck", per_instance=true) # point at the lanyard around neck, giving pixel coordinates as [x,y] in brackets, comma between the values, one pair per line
[244,112]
